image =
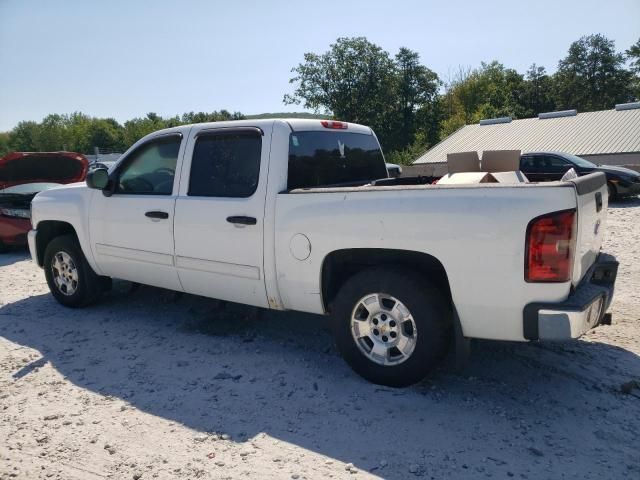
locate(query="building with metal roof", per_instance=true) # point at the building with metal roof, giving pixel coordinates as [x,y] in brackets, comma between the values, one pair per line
[607,136]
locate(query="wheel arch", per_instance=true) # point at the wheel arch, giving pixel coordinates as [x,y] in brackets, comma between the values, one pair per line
[340,265]
[47,231]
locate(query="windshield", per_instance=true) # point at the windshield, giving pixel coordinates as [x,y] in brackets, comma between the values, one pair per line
[579,161]
[318,158]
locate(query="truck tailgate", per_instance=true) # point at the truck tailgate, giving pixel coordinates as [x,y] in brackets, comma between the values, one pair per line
[592,203]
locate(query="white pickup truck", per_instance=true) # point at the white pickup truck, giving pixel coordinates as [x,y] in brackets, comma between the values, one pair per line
[301,215]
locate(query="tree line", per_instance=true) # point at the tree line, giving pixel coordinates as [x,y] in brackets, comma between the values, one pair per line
[410,107]
[78,132]
[407,104]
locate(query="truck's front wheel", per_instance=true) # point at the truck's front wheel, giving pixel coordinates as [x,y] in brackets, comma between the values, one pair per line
[71,279]
[392,326]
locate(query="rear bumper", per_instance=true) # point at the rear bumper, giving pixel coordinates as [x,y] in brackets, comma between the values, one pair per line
[583,310]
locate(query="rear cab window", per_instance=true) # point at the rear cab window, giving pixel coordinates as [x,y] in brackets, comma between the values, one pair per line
[323,159]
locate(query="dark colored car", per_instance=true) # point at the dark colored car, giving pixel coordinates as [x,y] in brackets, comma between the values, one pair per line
[550,166]
[22,176]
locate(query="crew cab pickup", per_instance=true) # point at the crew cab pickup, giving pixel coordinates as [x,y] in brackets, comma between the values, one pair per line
[301,215]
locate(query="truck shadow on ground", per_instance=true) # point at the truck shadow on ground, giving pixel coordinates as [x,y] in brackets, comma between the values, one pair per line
[241,372]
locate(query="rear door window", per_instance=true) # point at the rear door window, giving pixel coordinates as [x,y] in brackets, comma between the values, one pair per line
[557,164]
[226,163]
[528,164]
[320,159]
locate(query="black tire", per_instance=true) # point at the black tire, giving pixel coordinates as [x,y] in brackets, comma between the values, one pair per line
[88,286]
[613,193]
[429,307]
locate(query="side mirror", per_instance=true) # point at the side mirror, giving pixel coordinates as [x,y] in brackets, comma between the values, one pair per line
[98,178]
[394,170]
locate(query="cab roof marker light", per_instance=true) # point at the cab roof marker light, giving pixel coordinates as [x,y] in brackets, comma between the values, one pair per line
[334,124]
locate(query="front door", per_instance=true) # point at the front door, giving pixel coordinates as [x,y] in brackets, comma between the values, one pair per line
[131,231]
[219,214]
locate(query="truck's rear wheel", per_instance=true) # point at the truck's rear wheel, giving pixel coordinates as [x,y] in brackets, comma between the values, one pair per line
[391,326]
[71,279]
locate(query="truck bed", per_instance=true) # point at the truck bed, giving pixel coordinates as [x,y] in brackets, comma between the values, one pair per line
[476,231]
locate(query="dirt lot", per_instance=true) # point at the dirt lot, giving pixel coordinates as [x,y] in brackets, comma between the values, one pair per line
[145,385]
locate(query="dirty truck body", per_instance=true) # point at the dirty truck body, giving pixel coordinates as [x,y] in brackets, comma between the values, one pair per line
[299,215]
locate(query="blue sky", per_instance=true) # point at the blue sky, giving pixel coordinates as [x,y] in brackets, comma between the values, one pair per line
[122,59]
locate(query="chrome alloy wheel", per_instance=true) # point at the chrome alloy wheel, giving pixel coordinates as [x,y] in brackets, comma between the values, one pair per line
[383,329]
[65,273]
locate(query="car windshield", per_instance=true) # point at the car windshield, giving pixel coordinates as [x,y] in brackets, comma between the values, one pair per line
[579,161]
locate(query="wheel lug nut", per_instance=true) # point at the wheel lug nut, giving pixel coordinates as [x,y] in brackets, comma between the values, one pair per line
[375,321]
[392,323]
[375,331]
[383,317]
[384,338]
[393,334]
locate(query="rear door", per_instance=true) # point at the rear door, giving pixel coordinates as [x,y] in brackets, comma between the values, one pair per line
[592,201]
[219,215]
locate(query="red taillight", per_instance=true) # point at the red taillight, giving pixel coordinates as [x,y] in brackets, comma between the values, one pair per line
[334,124]
[549,247]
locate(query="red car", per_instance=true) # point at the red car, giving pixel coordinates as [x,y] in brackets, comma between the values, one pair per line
[22,176]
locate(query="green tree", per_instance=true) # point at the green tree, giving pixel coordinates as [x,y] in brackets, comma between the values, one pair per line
[354,81]
[358,81]
[106,134]
[633,55]
[487,92]
[53,134]
[137,128]
[538,95]
[215,116]
[5,146]
[592,76]
[77,127]
[24,137]
[416,90]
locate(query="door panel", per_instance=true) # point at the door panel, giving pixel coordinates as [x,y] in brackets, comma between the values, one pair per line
[216,255]
[132,230]
[129,245]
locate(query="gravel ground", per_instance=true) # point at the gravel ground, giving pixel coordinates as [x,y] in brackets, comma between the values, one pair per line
[150,385]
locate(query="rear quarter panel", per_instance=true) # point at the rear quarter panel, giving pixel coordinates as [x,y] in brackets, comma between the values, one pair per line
[477,233]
